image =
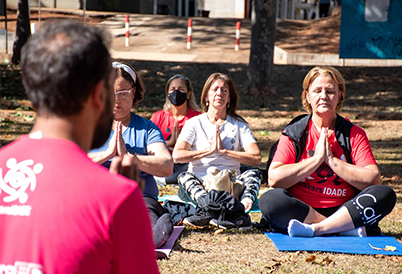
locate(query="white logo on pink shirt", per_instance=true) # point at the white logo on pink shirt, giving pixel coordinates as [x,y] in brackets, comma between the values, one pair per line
[18,179]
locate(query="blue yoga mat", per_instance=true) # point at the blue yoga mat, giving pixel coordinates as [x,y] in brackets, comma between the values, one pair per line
[352,245]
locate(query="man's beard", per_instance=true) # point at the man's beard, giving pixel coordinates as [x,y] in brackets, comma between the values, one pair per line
[103,128]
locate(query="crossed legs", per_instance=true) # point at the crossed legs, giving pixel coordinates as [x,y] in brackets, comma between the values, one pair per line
[290,215]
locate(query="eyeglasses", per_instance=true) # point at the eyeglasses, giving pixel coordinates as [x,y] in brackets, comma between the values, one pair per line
[123,94]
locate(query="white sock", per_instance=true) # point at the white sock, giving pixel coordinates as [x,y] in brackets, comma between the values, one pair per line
[298,229]
[357,232]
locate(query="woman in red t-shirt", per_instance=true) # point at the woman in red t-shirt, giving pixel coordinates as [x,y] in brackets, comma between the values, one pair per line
[325,189]
[180,105]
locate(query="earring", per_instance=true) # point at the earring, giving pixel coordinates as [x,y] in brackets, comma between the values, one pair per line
[207,103]
[228,105]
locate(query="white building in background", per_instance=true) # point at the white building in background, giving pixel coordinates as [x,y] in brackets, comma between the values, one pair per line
[286,9]
[211,8]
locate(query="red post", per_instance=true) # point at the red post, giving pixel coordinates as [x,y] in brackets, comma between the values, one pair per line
[189,30]
[237,35]
[127,24]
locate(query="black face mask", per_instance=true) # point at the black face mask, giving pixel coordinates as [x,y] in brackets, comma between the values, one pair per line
[177,97]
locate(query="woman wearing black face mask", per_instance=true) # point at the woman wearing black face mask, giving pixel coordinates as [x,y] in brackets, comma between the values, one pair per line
[180,105]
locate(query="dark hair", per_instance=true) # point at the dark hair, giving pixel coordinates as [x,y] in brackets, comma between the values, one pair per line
[138,84]
[234,95]
[62,63]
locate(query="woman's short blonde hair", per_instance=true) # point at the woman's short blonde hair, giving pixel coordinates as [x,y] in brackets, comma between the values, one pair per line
[326,71]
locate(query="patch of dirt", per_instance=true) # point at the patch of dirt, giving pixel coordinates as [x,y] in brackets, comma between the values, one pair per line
[310,36]
[47,16]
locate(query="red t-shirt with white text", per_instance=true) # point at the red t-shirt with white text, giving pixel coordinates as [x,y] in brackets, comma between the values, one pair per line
[323,188]
[62,213]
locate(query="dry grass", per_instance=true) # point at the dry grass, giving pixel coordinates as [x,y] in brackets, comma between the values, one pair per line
[376,108]
[212,251]
[232,251]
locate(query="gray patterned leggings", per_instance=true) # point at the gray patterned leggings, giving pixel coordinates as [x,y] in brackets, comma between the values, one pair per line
[191,189]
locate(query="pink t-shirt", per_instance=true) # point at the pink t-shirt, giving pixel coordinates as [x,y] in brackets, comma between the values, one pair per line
[165,121]
[323,188]
[62,213]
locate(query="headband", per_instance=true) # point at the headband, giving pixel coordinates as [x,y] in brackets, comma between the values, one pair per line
[126,68]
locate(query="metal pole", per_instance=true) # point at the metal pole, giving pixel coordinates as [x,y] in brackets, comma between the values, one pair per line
[39,14]
[85,8]
[179,10]
[186,7]
[155,7]
[5,21]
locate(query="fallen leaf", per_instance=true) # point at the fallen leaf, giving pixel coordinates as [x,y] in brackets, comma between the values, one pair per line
[395,178]
[327,261]
[311,259]
[386,248]
[246,263]
[390,248]
[226,239]
[273,266]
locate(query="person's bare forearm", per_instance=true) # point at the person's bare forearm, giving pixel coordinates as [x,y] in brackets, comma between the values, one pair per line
[246,158]
[186,156]
[161,166]
[359,177]
[286,175]
[100,157]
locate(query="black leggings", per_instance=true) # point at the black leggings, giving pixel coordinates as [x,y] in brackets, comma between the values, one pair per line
[366,209]
[177,169]
[155,209]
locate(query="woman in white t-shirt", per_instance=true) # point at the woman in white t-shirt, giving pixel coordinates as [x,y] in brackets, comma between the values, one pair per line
[217,138]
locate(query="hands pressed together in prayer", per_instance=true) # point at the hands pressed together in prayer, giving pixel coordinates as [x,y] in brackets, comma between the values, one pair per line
[216,142]
[123,163]
[117,146]
[323,149]
[175,133]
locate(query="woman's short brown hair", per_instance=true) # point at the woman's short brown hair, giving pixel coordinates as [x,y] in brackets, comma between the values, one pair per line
[138,84]
[326,71]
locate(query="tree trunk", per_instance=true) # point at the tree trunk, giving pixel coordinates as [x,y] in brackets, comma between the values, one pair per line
[22,31]
[263,19]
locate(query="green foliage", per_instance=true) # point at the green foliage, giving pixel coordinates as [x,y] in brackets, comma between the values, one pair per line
[11,86]
[112,4]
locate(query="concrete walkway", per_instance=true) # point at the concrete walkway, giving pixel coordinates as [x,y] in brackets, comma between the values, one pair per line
[164,38]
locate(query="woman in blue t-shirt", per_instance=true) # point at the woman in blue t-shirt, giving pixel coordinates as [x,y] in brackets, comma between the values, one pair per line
[143,141]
